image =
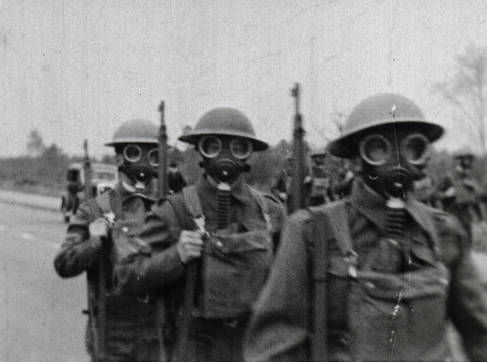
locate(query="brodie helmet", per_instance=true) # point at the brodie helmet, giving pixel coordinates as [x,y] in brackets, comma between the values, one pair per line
[135,131]
[464,152]
[224,122]
[318,152]
[378,110]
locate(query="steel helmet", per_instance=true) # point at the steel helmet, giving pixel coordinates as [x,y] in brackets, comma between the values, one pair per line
[135,131]
[226,122]
[318,152]
[464,152]
[381,109]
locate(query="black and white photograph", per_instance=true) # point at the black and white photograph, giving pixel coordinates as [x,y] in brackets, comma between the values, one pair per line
[251,180]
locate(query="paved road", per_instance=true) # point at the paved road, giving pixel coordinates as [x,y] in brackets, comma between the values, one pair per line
[40,314]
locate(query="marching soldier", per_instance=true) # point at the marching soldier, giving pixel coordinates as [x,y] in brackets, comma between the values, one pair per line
[378,275]
[425,186]
[319,178]
[127,331]
[281,187]
[460,192]
[175,179]
[343,186]
[206,251]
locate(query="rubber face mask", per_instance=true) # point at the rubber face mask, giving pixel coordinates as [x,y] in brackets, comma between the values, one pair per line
[392,160]
[224,157]
[139,164]
[464,165]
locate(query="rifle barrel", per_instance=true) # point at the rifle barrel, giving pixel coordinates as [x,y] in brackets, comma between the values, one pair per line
[162,188]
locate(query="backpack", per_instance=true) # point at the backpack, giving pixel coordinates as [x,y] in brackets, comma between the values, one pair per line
[390,316]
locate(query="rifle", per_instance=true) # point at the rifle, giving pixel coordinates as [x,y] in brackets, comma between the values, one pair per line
[297,181]
[98,316]
[162,186]
[162,191]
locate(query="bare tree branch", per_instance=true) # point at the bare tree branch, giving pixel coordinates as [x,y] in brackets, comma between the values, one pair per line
[465,91]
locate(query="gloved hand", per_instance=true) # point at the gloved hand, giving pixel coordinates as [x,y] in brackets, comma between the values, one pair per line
[190,245]
[100,228]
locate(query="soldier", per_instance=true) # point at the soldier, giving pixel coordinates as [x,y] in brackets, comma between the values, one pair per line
[460,193]
[319,178]
[175,179]
[346,175]
[378,275]
[425,186]
[128,332]
[206,250]
[282,184]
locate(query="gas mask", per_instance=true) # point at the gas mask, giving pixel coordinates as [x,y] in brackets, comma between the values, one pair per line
[391,161]
[464,165]
[224,157]
[139,166]
[224,161]
[318,160]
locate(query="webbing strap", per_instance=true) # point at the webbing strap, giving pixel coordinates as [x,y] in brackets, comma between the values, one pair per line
[338,219]
[329,222]
[192,201]
[263,207]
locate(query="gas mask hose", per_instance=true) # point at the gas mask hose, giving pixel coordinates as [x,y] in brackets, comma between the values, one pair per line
[223,205]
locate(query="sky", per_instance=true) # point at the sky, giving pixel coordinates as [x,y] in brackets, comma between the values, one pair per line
[77,69]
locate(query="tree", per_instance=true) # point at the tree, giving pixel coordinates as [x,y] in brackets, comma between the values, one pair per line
[466,91]
[35,144]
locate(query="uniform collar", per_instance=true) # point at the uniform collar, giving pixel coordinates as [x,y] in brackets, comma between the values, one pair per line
[239,190]
[373,206]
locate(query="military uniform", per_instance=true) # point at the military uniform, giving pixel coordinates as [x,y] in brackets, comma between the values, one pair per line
[130,333]
[120,328]
[222,306]
[378,275]
[206,251]
[280,328]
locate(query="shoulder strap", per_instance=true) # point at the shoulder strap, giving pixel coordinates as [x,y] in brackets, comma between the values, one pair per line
[337,217]
[187,207]
[192,201]
[106,204]
[263,206]
[100,205]
[329,222]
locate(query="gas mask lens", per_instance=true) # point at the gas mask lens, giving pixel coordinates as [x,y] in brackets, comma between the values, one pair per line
[153,156]
[210,146]
[241,148]
[132,153]
[415,149]
[375,149]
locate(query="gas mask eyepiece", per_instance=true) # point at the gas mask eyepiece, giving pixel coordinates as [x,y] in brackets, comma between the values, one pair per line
[212,146]
[377,150]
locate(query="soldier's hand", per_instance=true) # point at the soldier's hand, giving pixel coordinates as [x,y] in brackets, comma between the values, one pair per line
[190,245]
[99,228]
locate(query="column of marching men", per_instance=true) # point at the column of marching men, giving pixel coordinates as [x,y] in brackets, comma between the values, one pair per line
[376,266]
